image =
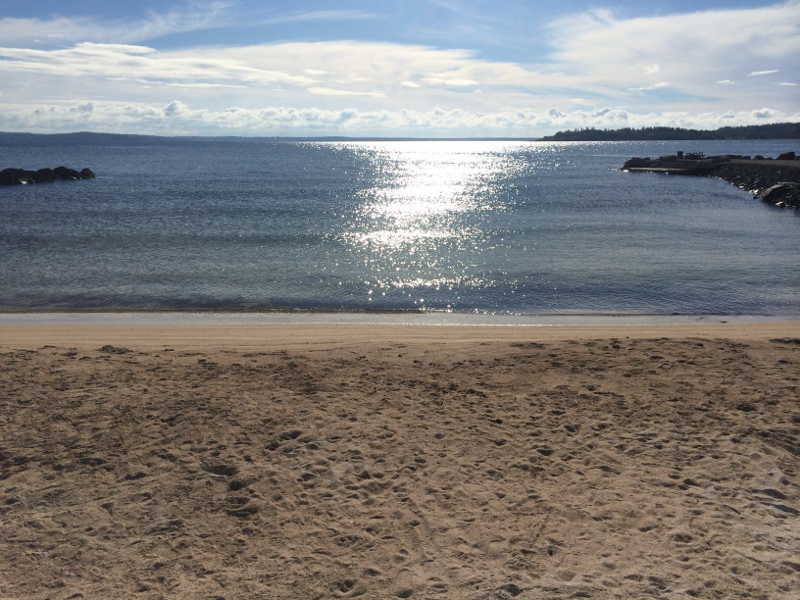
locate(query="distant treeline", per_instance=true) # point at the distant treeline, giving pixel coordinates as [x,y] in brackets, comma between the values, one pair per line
[774,131]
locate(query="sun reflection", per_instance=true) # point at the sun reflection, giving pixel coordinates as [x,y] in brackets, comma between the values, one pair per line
[425,186]
[421,224]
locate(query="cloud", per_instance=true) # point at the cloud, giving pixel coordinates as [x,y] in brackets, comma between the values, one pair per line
[608,54]
[140,63]
[788,84]
[323,91]
[175,109]
[178,118]
[450,81]
[668,68]
[321,15]
[59,30]
[765,113]
[760,73]
[652,86]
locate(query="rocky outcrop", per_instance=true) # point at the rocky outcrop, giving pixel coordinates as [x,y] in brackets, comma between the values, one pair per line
[773,181]
[22,176]
[785,193]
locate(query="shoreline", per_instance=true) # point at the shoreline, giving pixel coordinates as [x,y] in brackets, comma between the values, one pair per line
[379,316]
[327,336]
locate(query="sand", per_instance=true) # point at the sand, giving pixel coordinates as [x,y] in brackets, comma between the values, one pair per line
[399,462]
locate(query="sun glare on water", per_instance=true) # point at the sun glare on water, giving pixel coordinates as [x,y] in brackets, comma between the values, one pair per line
[421,220]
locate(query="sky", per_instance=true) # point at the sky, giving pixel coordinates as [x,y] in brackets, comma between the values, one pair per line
[396,68]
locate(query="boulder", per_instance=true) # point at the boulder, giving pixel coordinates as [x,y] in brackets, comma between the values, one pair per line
[637,162]
[44,176]
[787,156]
[67,174]
[784,193]
[14,176]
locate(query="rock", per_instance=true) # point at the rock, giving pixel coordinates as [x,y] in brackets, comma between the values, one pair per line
[46,175]
[65,173]
[637,162]
[786,192]
[787,156]
[15,176]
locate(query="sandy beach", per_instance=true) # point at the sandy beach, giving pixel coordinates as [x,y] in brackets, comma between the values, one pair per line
[431,462]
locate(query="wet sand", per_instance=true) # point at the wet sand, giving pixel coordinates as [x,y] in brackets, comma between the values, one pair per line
[344,461]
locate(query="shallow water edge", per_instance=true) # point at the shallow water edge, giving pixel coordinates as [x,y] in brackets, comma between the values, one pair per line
[430,318]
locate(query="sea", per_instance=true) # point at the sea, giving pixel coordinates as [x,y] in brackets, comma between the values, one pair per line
[467,227]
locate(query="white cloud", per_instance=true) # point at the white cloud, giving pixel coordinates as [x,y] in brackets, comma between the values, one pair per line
[323,91]
[61,29]
[652,86]
[142,63]
[599,72]
[608,54]
[175,109]
[760,73]
[177,118]
[788,84]
[321,15]
[450,81]
[765,113]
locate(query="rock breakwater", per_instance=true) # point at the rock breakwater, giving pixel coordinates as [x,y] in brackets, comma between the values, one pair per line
[776,181]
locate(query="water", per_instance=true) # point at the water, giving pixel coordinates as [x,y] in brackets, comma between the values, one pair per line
[492,227]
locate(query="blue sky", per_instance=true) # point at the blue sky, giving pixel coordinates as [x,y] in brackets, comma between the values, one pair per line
[395,68]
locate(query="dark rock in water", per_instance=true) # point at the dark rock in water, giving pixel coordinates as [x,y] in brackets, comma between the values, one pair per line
[15,176]
[22,176]
[784,193]
[44,176]
[787,156]
[65,173]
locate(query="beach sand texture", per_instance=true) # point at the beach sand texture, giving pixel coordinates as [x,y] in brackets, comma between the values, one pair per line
[407,463]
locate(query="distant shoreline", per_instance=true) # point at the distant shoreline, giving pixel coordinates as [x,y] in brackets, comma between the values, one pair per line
[653,134]
[772,131]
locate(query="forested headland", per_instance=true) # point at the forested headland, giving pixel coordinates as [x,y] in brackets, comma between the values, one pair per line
[773,131]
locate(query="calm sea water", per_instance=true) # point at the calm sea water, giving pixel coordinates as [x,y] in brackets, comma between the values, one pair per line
[508,227]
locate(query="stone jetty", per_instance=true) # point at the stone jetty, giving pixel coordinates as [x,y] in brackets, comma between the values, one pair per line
[773,180]
[22,176]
